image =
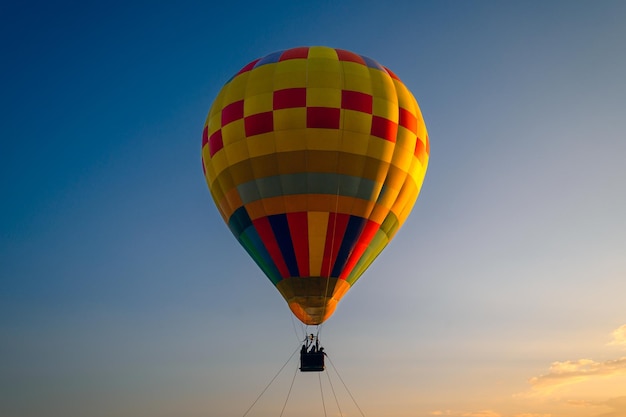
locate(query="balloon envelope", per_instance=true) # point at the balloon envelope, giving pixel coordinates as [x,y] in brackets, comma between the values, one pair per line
[314,157]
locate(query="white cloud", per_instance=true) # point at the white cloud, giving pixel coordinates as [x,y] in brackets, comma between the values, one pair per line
[619,336]
[571,372]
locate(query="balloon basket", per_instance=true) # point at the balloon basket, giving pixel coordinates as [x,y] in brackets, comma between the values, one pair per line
[312,361]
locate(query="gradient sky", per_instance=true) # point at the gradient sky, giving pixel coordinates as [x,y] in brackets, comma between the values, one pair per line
[122,293]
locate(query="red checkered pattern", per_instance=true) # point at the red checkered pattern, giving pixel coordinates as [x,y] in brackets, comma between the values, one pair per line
[317,117]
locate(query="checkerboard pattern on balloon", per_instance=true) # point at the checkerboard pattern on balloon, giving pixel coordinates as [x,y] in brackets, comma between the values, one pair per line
[314,157]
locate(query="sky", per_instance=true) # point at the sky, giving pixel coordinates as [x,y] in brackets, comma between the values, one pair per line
[122,293]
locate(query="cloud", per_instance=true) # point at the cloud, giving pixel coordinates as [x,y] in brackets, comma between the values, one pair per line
[619,336]
[572,372]
[485,413]
[581,370]
[442,413]
[580,403]
[583,381]
[482,413]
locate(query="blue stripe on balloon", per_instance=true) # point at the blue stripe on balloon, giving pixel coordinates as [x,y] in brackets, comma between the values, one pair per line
[280,227]
[372,63]
[350,238]
[269,59]
[241,226]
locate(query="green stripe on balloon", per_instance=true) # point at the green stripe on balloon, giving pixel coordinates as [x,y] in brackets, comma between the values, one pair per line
[251,241]
[306,183]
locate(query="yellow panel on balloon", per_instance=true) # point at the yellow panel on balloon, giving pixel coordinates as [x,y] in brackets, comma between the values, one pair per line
[233,132]
[405,98]
[322,52]
[382,84]
[258,103]
[402,159]
[214,123]
[356,77]
[290,74]
[236,89]
[263,144]
[354,142]
[287,119]
[322,139]
[241,173]
[395,178]
[261,80]
[323,97]
[290,140]
[380,149]
[317,222]
[379,213]
[385,108]
[357,122]
[237,152]
[323,79]
[219,162]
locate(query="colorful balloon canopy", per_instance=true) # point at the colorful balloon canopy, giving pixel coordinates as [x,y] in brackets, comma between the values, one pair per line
[314,157]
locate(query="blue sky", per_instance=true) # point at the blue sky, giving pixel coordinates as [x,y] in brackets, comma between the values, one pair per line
[122,293]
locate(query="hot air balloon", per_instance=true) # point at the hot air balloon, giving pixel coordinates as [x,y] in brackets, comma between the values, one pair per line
[314,157]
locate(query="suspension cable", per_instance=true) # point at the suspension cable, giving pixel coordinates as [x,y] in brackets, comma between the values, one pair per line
[294,324]
[345,386]
[289,392]
[319,377]
[270,383]
[320,385]
[334,394]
